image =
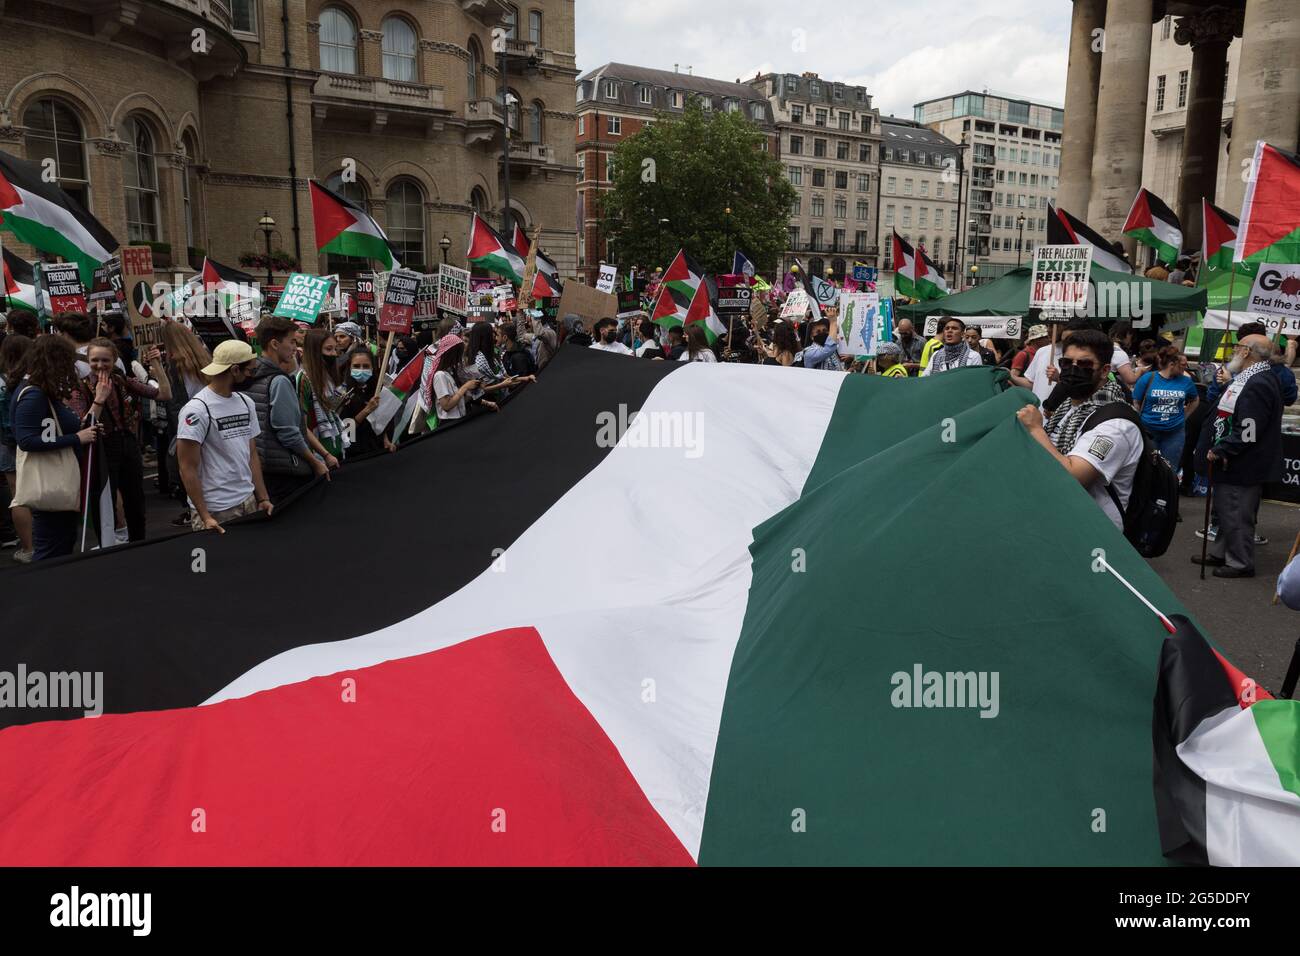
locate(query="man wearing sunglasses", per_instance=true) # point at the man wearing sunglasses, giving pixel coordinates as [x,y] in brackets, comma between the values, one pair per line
[1103,457]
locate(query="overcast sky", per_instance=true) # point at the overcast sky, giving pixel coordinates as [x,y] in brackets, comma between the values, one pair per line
[902,52]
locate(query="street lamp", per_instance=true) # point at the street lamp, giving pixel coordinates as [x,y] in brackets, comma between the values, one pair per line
[1020,224]
[444,244]
[974,223]
[267,225]
[659,242]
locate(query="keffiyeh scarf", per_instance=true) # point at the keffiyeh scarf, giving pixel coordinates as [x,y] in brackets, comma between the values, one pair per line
[1067,421]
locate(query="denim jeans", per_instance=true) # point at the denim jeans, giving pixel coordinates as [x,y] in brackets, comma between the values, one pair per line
[1170,445]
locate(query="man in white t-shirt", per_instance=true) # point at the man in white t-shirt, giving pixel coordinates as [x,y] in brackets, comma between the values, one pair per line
[607,338]
[216,444]
[1103,458]
[1043,373]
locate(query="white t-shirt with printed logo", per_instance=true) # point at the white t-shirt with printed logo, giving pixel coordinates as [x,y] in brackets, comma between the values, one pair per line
[1114,448]
[222,427]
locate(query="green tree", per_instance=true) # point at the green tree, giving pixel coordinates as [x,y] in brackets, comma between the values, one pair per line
[690,169]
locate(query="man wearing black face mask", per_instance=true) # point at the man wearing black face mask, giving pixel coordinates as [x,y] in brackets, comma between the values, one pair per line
[823,351]
[607,338]
[1103,457]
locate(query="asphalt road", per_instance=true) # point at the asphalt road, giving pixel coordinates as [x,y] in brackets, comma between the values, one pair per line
[1238,613]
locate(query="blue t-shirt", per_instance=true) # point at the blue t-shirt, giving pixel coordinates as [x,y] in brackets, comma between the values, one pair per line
[1164,400]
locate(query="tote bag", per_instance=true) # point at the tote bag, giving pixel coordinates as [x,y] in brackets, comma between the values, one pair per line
[48,480]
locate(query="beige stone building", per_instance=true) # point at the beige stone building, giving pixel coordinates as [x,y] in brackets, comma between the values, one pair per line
[830,143]
[919,195]
[179,122]
[1008,166]
[1173,95]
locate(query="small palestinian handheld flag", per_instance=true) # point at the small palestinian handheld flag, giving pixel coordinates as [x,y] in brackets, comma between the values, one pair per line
[701,310]
[1154,224]
[19,283]
[1270,215]
[685,275]
[1220,237]
[490,251]
[1227,777]
[1066,230]
[915,274]
[44,216]
[344,229]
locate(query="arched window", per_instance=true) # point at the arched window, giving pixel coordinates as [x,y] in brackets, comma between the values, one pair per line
[399,50]
[54,132]
[190,189]
[405,222]
[478,200]
[535,123]
[355,192]
[140,181]
[471,69]
[535,27]
[338,41]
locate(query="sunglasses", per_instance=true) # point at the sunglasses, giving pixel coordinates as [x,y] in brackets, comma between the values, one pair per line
[1086,365]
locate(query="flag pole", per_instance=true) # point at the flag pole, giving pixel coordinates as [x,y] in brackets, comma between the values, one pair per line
[90,462]
[1209,496]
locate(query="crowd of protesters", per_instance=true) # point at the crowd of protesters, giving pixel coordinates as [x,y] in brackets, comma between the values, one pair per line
[238,426]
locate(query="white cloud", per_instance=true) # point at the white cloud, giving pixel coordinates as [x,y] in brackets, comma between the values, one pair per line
[902,53]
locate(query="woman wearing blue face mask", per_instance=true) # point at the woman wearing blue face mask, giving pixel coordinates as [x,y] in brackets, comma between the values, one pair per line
[360,402]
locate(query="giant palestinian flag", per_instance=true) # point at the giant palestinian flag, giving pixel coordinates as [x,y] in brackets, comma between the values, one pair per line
[19,287]
[1066,230]
[345,229]
[489,250]
[42,215]
[730,684]
[1270,214]
[915,275]
[1227,761]
[1154,224]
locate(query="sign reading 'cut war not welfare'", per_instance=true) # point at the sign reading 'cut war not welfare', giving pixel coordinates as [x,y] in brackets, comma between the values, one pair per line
[303,297]
[1060,281]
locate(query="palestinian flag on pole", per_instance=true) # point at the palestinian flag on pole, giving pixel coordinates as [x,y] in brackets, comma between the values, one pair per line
[521,243]
[1270,214]
[1154,224]
[345,229]
[489,250]
[701,310]
[915,275]
[668,309]
[546,283]
[1227,761]
[1065,230]
[685,276]
[19,283]
[42,215]
[1220,237]
[708,704]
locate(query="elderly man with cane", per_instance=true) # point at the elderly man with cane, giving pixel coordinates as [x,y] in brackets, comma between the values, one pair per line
[1241,446]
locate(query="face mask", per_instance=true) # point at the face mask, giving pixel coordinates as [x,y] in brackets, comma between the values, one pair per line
[820,338]
[362,374]
[610,336]
[1077,382]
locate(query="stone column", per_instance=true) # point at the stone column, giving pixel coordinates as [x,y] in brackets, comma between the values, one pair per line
[1121,117]
[1081,105]
[1208,32]
[1268,89]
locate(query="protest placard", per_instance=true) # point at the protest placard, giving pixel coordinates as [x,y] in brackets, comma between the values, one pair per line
[1059,285]
[796,305]
[453,290]
[303,298]
[734,300]
[426,300]
[990,326]
[608,276]
[1276,290]
[107,293]
[591,304]
[64,287]
[482,306]
[137,279]
[629,303]
[367,308]
[859,320]
[398,312]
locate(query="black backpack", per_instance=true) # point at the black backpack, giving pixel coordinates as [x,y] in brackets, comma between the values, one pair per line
[1152,512]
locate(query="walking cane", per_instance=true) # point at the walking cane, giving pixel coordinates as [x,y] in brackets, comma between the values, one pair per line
[1209,496]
